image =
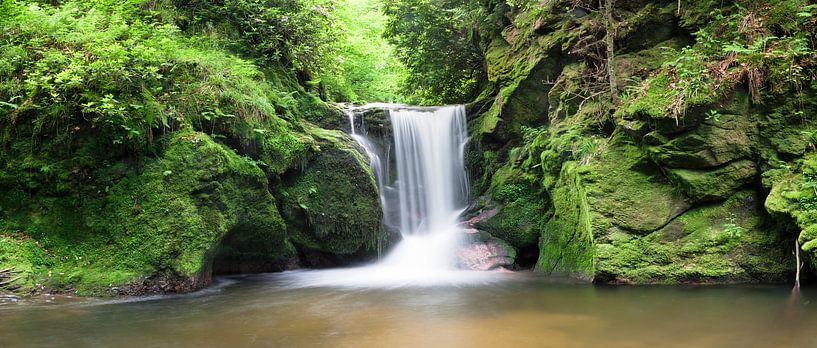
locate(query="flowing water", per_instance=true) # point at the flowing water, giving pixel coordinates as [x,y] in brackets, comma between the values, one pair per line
[432,192]
[271,310]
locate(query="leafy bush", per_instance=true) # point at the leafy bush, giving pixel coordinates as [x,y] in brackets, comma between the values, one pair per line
[79,85]
[439,44]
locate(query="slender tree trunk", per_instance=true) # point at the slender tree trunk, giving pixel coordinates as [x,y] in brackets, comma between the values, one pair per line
[610,43]
[799,265]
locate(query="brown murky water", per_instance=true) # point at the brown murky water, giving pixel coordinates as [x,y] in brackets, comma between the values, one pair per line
[265,311]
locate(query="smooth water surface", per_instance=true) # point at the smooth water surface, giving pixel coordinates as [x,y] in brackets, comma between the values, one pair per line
[271,311]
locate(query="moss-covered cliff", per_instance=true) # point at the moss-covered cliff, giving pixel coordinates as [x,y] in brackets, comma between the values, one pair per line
[663,178]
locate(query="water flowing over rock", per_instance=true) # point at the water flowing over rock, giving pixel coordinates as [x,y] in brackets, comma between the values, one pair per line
[426,198]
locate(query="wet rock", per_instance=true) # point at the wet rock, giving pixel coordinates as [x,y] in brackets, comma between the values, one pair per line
[482,252]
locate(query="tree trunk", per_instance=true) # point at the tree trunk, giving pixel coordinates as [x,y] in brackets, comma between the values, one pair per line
[799,265]
[609,39]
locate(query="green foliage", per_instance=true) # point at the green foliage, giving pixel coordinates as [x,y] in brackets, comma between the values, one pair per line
[8,9]
[335,47]
[368,67]
[440,46]
[714,115]
[297,33]
[766,46]
[80,85]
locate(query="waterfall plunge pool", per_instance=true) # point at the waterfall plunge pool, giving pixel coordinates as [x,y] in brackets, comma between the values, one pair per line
[270,310]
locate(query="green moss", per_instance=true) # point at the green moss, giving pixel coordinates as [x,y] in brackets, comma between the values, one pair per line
[164,219]
[794,196]
[629,189]
[334,206]
[566,244]
[720,183]
[713,143]
[721,242]
[22,254]
[519,222]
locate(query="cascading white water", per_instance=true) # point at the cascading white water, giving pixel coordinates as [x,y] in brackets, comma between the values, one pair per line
[378,168]
[432,182]
[432,191]
[432,186]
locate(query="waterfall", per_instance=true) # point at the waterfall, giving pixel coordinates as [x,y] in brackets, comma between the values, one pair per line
[432,188]
[428,196]
[431,173]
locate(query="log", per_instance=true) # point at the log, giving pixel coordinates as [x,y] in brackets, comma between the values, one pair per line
[3,284]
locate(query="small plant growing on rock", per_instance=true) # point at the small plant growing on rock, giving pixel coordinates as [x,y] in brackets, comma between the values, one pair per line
[714,115]
[732,228]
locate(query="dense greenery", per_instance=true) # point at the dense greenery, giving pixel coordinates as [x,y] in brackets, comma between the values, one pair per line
[768,47]
[369,69]
[439,41]
[136,136]
[143,142]
[644,162]
[336,46]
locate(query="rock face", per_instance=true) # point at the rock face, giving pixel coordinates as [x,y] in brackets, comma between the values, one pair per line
[482,252]
[632,194]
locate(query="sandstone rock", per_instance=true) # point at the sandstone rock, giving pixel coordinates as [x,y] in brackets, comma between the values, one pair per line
[490,254]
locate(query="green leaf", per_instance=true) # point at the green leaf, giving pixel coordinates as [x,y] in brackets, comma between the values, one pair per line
[9,105]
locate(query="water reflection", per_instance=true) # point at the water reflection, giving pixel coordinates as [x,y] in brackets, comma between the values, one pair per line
[259,311]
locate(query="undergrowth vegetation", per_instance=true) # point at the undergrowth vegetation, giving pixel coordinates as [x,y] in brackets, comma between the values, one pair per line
[135,134]
[768,47]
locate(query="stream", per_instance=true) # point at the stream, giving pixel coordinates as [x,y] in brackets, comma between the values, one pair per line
[523,310]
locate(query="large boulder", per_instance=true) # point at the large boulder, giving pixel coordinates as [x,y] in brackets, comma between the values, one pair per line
[159,227]
[712,144]
[333,205]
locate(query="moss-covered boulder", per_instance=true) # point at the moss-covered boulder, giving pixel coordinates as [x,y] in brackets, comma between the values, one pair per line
[566,244]
[333,206]
[519,222]
[714,184]
[517,208]
[650,181]
[712,144]
[155,228]
[723,242]
[626,187]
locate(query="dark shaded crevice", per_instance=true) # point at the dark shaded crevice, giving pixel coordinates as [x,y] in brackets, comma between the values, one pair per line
[248,250]
[527,256]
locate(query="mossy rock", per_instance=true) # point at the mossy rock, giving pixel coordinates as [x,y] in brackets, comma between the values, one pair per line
[624,185]
[333,206]
[712,144]
[158,227]
[519,208]
[519,222]
[566,245]
[724,242]
[715,184]
[793,196]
